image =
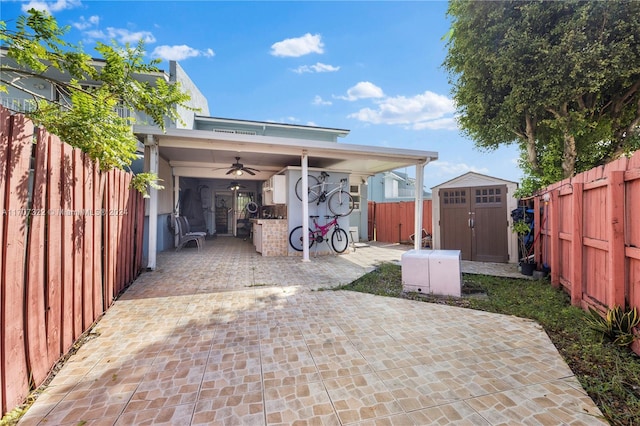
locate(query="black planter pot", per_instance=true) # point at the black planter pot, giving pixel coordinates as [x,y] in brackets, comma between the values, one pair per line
[527,268]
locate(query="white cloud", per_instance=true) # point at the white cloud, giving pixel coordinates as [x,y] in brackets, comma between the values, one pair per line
[180,52]
[86,23]
[363,90]
[318,67]
[121,35]
[425,111]
[455,169]
[319,101]
[295,47]
[125,36]
[51,7]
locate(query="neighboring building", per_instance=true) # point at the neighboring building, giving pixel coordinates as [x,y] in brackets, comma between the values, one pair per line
[393,186]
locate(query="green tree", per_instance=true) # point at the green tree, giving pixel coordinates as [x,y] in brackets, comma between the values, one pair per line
[85,116]
[560,79]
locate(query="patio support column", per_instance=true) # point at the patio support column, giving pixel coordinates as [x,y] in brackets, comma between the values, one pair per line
[176,207]
[152,144]
[417,239]
[305,206]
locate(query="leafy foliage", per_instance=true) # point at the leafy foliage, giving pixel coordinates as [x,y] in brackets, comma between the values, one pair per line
[85,115]
[560,79]
[617,325]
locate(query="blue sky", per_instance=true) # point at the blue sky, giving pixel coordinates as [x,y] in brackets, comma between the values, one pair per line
[374,68]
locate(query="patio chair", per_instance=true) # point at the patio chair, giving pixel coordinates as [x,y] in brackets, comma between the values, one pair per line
[426,239]
[184,237]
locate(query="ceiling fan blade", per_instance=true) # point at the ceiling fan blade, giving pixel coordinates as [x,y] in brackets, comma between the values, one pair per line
[249,171]
[230,171]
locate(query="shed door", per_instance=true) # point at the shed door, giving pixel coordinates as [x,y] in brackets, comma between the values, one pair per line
[455,233]
[474,221]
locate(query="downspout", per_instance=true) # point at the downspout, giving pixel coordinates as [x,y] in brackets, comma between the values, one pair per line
[305,206]
[176,208]
[152,242]
[417,236]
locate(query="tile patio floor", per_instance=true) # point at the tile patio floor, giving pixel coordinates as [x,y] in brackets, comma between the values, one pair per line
[226,337]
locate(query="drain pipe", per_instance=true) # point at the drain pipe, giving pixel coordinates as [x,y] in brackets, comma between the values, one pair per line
[152,242]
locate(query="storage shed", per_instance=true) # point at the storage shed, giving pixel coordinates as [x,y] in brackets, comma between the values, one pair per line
[471,213]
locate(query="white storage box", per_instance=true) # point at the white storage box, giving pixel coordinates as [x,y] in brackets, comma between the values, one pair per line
[415,271]
[432,272]
[445,276]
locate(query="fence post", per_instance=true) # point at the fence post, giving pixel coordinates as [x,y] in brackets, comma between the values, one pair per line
[616,255]
[554,255]
[577,285]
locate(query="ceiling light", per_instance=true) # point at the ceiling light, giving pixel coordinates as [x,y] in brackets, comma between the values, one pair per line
[238,172]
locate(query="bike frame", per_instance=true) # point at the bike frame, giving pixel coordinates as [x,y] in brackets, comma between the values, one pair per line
[323,230]
[323,184]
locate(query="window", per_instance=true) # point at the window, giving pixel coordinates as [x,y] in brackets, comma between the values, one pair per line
[354,190]
[454,196]
[488,195]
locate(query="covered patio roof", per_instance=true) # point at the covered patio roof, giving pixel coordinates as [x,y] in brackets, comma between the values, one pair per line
[208,154]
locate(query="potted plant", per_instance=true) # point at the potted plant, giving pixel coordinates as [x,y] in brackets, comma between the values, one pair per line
[522,229]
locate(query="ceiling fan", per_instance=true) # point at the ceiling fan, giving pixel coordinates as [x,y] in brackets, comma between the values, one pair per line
[238,168]
[234,186]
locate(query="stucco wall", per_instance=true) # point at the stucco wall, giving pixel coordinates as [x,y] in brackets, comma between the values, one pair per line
[198,101]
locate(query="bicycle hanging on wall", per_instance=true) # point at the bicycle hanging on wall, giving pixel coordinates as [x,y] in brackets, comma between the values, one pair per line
[339,239]
[338,199]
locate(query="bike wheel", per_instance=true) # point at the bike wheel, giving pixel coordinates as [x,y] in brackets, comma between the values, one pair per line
[295,238]
[341,203]
[339,240]
[314,189]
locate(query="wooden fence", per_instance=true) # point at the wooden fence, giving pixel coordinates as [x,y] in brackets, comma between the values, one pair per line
[393,222]
[71,239]
[590,235]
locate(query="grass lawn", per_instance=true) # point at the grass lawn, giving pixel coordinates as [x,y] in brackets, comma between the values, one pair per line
[609,373]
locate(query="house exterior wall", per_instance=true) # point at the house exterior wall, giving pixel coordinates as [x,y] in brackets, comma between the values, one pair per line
[197,101]
[165,238]
[389,187]
[265,129]
[470,180]
[294,209]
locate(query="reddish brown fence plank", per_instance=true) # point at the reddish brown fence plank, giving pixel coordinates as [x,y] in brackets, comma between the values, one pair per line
[15,376]
[88,316]
[98,203]
[78,241]
[36,274]
[67,248]
[54,251]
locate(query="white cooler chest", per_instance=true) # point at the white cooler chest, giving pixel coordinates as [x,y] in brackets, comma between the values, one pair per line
[432,272]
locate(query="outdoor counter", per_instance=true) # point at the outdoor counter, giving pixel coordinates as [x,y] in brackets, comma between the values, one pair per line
[270,236]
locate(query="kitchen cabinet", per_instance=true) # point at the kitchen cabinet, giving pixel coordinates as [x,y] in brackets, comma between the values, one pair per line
[274,190]
[257,236]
